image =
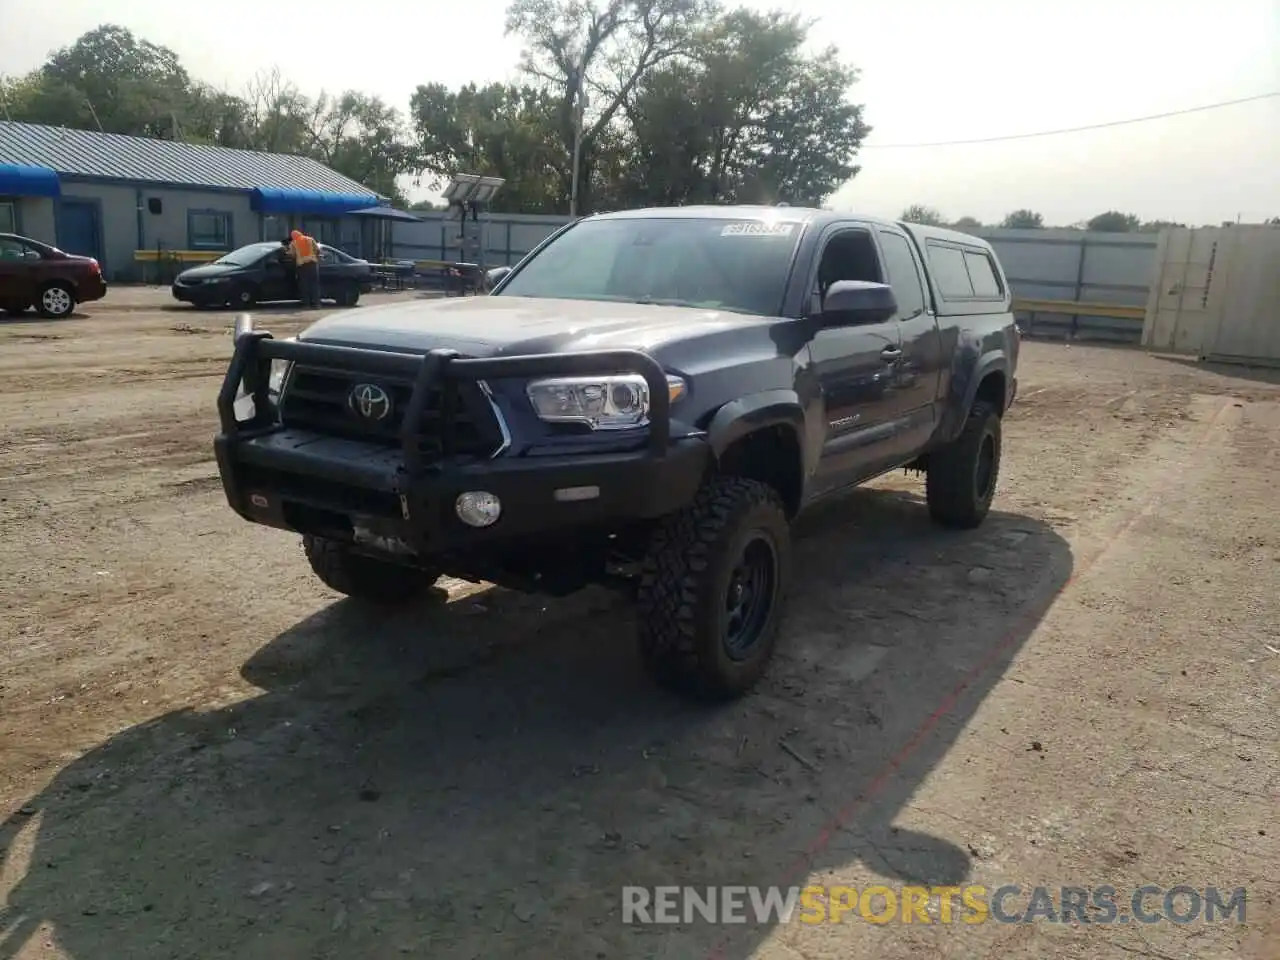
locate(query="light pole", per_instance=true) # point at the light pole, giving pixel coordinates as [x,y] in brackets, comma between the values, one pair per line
[579,106]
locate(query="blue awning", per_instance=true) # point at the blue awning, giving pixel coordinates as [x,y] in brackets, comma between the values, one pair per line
[19,180]
[318,202]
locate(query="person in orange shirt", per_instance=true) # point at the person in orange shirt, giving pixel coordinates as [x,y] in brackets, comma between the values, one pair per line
[306,256]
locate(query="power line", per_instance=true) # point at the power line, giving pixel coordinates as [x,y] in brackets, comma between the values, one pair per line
[1092,126]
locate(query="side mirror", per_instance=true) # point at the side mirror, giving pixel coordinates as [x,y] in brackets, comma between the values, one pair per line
[493,277]
[852,302]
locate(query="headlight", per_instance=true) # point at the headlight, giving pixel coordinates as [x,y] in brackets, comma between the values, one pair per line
[275,379]
[603,403]
[245,408]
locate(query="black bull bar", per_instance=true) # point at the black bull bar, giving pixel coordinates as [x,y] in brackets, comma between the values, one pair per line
[445,369]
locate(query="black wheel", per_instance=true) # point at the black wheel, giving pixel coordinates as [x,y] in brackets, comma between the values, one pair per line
[56,301]
[348,295]
[961,480]
[245,297]
[712,590]
[364,578]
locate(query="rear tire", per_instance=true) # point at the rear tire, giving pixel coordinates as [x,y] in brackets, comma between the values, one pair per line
[712,590]
[961,479]
[365,578]
[56,300]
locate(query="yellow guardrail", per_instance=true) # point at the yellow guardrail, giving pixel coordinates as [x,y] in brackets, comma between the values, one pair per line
[177,256]
[1072,308]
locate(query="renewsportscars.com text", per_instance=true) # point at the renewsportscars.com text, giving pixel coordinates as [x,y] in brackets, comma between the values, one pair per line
[970,904]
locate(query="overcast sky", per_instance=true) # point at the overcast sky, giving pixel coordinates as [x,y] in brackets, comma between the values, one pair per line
[932,70]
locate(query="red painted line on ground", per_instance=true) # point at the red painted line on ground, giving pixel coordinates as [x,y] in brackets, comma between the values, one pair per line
[903,753]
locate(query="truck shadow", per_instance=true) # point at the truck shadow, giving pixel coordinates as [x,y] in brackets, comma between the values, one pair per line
[483,778]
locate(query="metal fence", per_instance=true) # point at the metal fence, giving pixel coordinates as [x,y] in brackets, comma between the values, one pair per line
[1080,267]
[1056,265]
[506,237]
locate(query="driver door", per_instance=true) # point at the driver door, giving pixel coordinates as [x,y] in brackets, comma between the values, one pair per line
[279,277]
[19,267]
[855,367]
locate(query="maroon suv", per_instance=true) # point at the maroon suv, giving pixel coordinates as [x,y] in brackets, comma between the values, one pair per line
[36,274]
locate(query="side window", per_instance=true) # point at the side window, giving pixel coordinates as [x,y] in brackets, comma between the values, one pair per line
[949,271]
[12,249]
[983,274]
[904,277]
[8,217]
[848,255]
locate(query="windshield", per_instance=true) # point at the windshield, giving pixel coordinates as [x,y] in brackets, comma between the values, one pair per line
[694,262]
[247,255]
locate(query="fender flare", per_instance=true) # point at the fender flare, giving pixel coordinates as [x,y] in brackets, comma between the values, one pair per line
[993,362]
[771,408]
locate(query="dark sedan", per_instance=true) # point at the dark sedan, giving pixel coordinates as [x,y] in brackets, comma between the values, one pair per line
[261,273]
[36,274]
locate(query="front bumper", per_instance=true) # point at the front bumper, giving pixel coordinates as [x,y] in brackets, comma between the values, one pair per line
[308,482]
[204,293]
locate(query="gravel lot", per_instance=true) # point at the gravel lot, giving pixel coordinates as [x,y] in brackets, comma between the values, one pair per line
[205,753]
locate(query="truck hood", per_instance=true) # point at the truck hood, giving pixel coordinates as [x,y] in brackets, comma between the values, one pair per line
[488,326]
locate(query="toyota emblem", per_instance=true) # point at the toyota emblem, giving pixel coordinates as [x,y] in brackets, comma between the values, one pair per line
[370,401]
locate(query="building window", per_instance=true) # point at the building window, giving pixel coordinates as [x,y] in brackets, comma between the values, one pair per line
[8,217]
[208,230]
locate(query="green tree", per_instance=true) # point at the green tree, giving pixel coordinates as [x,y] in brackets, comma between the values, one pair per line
[967,223]
[1113,221]
[497,130]
[603,49]
[1022,220]
[919,213]
[751,118]
[112,80]
[362,138]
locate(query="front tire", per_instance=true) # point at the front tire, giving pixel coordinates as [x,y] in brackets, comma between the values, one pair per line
[348,295]
[56,301]
[245,298]
[961,479]
[365,578]
[712,590]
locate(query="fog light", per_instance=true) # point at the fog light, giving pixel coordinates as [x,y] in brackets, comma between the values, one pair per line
[478,508]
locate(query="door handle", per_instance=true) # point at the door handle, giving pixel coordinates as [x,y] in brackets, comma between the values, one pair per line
[890,354]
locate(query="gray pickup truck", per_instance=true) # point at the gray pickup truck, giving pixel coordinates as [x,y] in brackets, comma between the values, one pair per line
[646,400]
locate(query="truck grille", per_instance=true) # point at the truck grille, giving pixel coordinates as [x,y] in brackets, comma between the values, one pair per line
[321,399]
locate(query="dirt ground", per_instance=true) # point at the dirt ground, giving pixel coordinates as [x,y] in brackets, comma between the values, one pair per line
[205,753]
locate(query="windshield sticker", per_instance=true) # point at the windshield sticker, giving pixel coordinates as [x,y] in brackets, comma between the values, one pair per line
[757,228]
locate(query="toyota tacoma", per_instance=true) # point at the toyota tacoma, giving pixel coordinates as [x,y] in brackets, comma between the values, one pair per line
[647,399]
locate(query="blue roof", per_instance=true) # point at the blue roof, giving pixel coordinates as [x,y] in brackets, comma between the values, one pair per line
[113,156]
[26,180]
